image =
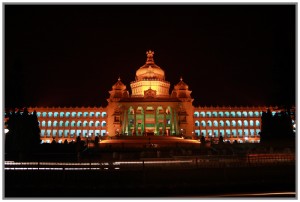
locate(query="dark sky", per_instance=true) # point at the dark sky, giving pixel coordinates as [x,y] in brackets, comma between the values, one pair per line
[71,55]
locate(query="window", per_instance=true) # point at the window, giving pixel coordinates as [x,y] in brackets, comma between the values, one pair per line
[44,114]
[209,123]
[68,114]
[61,114]
[215,123]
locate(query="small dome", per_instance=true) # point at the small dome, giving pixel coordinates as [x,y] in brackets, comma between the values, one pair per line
[150,70]
[181,85]
[119,85]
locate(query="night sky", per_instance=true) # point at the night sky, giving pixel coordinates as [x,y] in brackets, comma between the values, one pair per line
[71,55]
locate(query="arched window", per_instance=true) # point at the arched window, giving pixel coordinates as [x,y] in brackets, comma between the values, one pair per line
[50,114]
[256,114]
[202,114]
[250,114]
[227,114]
[251,123]
[44,114]
[239,114]
[85,123]
[55,114]
[221,114]
[245,114]
[92,114]
[257,123]
[49,123]
[103,114]
[103,123]
[79,123]
[209,123]
[203,123]
[73,114]
[215,123]
[91,123]
[73,124]
[67,124]
[68,114]
[232,114]
[208,114]
[222,123]
[215,114]
[79,114]
[43,123]
[197,123]
[245,123]
[61,114]
[98,114]
[227,123]
[196,114]
[233,123]
[97,123]
[61,123]
[239,123]
[55,124]
[85,114]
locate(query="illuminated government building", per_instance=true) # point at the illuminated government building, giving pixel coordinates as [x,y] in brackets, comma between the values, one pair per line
[150,110]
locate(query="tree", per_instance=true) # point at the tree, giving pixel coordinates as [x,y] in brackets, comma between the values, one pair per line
[202,139]
[277,127]
[23,136]
[221,139]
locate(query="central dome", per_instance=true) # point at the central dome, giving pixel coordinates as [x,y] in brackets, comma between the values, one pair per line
[150,71]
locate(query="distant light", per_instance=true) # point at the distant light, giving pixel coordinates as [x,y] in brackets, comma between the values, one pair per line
[6,130]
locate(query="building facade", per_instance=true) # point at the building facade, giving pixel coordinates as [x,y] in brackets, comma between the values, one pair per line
[150,110]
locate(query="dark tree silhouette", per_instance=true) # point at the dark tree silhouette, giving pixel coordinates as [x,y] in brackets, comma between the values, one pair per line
[202,140]
[221,139]
[23,136]
[277,127]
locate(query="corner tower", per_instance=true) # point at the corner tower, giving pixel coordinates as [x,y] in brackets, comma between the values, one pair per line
[150,76]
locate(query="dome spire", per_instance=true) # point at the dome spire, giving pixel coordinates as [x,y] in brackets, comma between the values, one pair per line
[150,57]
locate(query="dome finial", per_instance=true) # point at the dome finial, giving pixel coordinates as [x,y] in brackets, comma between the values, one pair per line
[119,79]
[150,57]
[181,78]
